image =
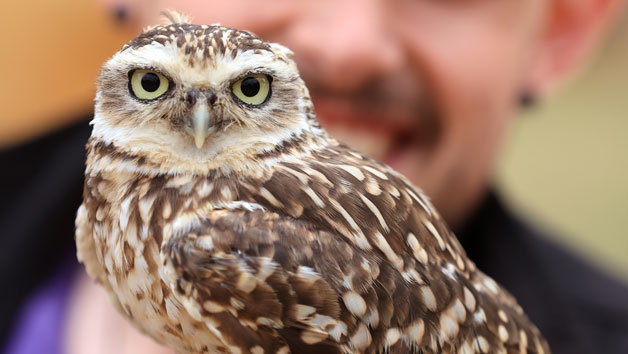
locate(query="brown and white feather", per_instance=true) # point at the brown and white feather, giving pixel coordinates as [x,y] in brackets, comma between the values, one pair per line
[290,243]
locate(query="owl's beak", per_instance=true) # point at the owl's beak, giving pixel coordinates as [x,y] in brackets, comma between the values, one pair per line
[200,124]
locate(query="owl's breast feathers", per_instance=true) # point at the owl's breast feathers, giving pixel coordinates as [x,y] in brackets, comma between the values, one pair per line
[324,250]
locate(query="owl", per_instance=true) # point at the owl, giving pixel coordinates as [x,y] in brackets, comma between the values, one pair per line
[221,218]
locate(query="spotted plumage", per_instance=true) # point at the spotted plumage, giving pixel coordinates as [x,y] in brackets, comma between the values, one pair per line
[221,225]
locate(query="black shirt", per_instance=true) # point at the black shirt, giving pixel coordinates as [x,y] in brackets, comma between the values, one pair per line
[577,308]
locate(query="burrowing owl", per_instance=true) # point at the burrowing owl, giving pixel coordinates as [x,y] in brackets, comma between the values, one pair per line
[221,217]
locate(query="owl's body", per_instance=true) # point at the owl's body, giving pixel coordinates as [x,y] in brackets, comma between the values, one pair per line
[223,221]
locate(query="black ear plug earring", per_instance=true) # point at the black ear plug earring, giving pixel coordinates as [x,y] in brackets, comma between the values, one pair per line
[527,99]
[121,14]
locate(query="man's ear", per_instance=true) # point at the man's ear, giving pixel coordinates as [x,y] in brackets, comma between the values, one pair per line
[573,31]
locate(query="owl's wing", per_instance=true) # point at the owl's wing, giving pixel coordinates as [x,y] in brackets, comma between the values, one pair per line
[345,255]
[250,277]
[403,282]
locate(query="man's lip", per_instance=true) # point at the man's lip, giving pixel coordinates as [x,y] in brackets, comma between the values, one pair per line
[383,121]
[383,136]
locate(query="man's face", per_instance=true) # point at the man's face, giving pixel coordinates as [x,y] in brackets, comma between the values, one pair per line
[426,86]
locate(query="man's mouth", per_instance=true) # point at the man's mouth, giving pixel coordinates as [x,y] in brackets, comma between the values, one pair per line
[386,133]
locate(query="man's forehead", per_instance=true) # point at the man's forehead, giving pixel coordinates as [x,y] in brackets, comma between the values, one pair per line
[203,40]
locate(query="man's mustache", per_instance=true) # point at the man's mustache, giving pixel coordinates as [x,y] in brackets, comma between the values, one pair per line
[401,103]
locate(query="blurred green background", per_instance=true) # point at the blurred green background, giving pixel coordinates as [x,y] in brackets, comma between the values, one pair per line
[565,165]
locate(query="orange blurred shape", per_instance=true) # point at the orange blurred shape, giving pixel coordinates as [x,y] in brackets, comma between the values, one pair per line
[50,54]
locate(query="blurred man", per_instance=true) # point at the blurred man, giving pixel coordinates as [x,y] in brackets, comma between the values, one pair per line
[429,87]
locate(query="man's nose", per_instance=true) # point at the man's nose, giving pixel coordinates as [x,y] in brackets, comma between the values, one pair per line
[344,44]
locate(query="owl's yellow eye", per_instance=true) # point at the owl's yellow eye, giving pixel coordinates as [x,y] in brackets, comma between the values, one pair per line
[147,84]
[252,89]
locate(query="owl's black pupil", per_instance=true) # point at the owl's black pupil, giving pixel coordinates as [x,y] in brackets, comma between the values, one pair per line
[250,86]
[150,82]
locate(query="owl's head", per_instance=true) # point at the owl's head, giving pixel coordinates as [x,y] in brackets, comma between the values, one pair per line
[191,98]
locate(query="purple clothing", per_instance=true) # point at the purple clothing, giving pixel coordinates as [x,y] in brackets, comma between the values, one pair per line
[40,324]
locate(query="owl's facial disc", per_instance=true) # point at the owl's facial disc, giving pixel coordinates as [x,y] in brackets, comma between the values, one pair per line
[192,98]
